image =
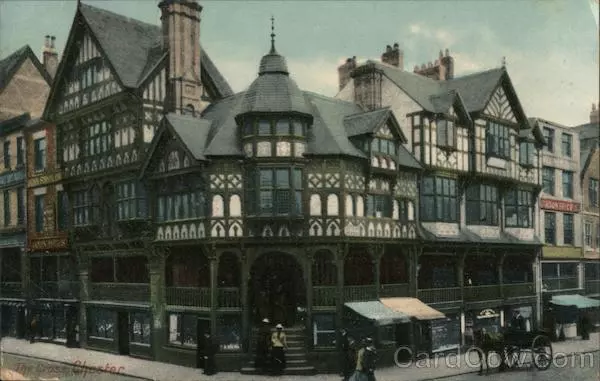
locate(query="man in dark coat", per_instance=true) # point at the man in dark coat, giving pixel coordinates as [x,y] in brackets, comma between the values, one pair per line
[263,347]
[346,355]
[370,360]
[209,351]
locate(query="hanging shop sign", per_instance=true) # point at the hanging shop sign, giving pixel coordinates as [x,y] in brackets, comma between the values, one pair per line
[488,313]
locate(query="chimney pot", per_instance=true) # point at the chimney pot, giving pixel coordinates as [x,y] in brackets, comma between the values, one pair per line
[47,41]
[52,41]
[593,107]
[388,48]
[396,46]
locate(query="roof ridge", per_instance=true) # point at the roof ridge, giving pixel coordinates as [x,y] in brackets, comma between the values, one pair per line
[386,108]
[129,19]
[21,50]
[477,73]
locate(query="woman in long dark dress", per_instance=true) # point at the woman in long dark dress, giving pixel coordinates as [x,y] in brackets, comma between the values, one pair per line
[263,346]
[278,345]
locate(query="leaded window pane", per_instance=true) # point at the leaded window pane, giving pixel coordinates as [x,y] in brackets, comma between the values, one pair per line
[264,127]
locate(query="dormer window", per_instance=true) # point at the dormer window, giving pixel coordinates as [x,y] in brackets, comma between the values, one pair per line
[497,140]
[526,154]
[384,146]
[446,134]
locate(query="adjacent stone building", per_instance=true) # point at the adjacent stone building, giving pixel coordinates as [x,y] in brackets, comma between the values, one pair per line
[589,135]
[560,206]
[24,87]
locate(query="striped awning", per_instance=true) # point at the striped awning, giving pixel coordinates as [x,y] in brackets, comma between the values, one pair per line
[379,314]
[413,307]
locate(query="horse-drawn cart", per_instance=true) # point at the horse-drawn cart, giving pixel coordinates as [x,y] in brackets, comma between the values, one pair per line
[513,346]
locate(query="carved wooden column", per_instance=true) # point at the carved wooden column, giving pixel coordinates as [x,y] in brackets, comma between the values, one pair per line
[412,259]
[25,284]
[340,255]
[501,274]
[157,298]
[376,252]
[84,295]
[214,290]
[246,329]
[460,272]
[308,281]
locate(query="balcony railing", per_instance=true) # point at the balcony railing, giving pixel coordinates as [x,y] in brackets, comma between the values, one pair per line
[229,297]
[324,296]
[592,287]
[439,295]
[122,292]
[556,284]
[393,289]
[56,290]
[11,290]
[359,293]
[486,292]
[188,296]
[515,290]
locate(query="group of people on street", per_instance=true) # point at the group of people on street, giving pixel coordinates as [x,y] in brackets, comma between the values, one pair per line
[270,349]
[358,359]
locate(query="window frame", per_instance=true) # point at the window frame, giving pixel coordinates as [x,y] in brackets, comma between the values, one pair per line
[172,194]
[550,227]
[497,140]
[256,190]
[569,144]
[549,181]
[593,189]
[587,234]
[62,213]
[449,128]
[527,155]
[6,153]
[130,201]
[39,202]
[183,318]
[549,138]
[21,207]
[6,201]
[488,204]
[440,198]
[568,229]
[376,201]
[567,175]
[524,208]
[145,335]
[20,151]
[39,154]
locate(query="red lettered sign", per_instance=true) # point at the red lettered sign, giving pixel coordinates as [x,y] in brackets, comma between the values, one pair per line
[560,205]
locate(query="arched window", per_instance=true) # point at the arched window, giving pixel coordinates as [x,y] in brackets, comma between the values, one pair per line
[235,206]
[217,206]
[315,205]
[333,207]
[360,207]
[349,206]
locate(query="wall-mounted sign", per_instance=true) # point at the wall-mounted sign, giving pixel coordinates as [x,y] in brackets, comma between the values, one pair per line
[560,205]
[488,313]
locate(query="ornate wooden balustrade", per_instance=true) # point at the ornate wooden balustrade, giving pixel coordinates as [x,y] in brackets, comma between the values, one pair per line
[485,292]
[325,296]
[439,295]
[124,292]
[393,290]
[188,296]
[229,297]
[515,290]
[360,293]
[55,290]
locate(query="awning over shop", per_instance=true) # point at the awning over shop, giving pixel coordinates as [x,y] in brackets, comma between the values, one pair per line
[375,311]
[579,301]
[412,307]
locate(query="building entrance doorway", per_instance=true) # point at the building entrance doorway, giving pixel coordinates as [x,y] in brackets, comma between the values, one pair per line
[277,289]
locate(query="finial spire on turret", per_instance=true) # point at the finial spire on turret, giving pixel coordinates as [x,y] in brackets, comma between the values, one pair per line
[272,35]
[503,61]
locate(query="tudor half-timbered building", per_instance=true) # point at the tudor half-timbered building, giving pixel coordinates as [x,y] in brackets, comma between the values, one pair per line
[477,192]
[107,100]
[283,204]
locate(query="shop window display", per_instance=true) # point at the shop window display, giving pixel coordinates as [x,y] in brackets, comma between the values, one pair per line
[230,332]
[139,331]
[183,329]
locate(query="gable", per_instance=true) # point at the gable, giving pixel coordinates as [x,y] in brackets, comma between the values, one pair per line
[499,106]
[26,91]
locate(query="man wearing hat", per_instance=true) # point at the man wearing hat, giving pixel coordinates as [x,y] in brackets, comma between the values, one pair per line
[346,355]
[365,362]
[279,345]
[263,346]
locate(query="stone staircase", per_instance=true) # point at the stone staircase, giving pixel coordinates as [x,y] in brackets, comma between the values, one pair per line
[296,356]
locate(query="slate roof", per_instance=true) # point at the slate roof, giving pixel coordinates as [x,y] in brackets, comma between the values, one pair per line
[134,47]
[406,159]
[365,122]
[9,125]
[193,132]
[274,90]
[10,64]
[475,89]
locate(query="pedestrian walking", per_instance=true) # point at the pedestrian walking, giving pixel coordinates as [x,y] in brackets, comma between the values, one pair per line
[347,357]
[278,345]
[365,362]
[210,351]
[263,347]
[33,327]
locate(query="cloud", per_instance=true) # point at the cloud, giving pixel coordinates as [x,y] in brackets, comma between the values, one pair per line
[439,35]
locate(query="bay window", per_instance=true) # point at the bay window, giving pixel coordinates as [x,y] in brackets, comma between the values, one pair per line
[482,205]
[497,140]
[180,200]
[445,133]
[519,208]
[274,191]
[131,200]
[439,200]
[86,207]
[379,205]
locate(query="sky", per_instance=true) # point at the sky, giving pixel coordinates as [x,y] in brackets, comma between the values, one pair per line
[550,46]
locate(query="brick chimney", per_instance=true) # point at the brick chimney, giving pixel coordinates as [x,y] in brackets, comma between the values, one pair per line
[594,114]
[441,69]
[393,56]
[50,56]
[344,71]
[181,37]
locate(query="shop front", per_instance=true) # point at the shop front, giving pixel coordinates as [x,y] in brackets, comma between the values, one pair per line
[513,315]
[566,313]
[488,319]
[12,319]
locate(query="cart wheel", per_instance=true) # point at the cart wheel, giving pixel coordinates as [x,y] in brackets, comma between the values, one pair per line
[541,350]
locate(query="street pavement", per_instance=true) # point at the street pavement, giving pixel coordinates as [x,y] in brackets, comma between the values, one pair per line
[574,368]
[34,369]
[449,366]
